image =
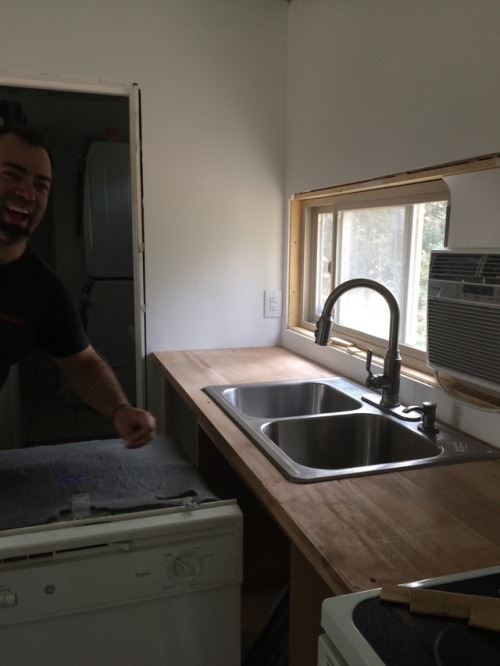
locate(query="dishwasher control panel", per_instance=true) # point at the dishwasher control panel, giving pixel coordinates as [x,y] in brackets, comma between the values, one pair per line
[121,572]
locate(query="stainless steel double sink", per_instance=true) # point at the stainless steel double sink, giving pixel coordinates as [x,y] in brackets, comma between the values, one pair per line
[321,429]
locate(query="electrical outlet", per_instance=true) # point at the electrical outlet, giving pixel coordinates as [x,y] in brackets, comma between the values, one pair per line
[272,303]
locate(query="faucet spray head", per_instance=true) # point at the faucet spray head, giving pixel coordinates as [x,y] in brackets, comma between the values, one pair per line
[322,333]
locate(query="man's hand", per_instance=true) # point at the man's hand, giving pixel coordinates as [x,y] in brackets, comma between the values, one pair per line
[135,426]
[96,384]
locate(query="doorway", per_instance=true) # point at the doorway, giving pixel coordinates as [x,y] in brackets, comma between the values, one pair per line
[76,121]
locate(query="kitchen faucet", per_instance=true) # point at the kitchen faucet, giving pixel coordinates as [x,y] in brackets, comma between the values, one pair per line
[389,381]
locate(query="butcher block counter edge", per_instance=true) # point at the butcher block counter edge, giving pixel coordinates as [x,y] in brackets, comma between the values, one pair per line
[356,533]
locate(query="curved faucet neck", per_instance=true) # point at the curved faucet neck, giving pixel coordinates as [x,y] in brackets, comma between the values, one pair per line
[389,381]
[375,286]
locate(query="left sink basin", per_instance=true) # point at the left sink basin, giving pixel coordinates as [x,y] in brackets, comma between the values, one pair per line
[276,400]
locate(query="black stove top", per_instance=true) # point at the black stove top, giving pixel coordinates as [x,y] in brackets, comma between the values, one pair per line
[401,638]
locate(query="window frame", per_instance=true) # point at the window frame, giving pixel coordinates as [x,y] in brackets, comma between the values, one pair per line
[421,185]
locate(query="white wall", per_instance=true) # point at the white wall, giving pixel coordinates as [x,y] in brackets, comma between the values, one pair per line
[212,79]
[381,87]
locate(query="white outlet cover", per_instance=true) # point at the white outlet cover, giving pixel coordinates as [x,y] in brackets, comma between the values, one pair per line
[272,302]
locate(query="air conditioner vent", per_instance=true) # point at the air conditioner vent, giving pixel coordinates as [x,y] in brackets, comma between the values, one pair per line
[463,315]
[452,266]
[463,340]
[490,269]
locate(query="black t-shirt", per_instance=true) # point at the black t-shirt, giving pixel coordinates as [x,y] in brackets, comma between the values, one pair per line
[36,309]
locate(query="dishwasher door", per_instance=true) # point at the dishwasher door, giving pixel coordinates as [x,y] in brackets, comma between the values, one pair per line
[154,590]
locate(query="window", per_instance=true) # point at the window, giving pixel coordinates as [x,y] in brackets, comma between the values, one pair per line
[383,234]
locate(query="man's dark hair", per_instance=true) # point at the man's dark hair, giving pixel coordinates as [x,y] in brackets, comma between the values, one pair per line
[29,136]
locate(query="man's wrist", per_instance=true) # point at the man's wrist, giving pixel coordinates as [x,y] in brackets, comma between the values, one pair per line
[115,411]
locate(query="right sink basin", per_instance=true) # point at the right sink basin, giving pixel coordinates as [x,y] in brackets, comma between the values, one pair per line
[346,441]
[318,430]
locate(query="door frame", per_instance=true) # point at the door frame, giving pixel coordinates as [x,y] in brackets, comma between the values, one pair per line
[96,87]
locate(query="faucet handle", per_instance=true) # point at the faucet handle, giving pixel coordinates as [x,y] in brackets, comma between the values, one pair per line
[371,381]
[369,355]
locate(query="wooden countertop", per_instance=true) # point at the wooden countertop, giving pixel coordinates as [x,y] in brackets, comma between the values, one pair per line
[360,532]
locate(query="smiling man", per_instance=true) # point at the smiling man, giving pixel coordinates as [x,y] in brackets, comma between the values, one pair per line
[25,179]
[35,306]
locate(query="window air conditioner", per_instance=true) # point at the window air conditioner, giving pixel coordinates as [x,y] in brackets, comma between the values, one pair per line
[463,315]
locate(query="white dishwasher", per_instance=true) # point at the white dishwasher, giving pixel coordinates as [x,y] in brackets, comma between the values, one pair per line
[161,588]
[114,556]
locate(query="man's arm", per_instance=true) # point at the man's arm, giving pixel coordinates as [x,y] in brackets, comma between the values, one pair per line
[96,384]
